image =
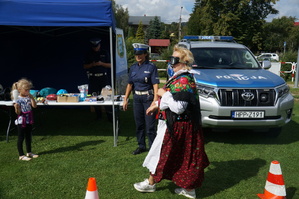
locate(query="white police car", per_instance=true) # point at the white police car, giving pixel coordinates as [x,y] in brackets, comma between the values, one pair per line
[235,89]
[268,56]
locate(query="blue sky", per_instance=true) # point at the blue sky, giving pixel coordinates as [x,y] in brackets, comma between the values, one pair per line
[171,10]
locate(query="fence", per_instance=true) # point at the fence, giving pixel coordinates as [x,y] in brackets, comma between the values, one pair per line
[160,60]
[292,71]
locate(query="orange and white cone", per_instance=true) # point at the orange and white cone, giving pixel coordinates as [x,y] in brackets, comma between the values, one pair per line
[92,190]
[274,188]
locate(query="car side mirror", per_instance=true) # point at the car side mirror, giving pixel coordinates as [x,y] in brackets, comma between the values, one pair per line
[266,64]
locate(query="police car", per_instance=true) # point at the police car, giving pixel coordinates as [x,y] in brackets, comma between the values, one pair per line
[236,91]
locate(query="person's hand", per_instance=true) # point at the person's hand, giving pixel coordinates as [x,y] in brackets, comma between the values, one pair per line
[153,103]
[161,92]
[17,108]
[94,64]
[16,105]
[151,109]
[125,105]
[31,96]
[99,63]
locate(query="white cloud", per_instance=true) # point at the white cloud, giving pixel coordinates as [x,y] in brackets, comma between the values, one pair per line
[287,8]
[170,10]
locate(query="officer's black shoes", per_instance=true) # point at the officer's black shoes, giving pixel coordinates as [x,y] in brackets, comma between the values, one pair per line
[138,151]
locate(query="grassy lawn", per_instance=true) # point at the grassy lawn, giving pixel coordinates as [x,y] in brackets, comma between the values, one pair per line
[73,147]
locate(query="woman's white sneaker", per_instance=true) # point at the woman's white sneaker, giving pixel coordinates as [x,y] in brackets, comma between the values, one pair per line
[145,186]
[25,158]
[184,192]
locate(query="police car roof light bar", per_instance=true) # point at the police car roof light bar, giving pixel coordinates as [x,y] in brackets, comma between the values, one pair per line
[212,38]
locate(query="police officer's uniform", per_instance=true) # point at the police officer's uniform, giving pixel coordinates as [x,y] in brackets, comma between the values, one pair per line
[98,75]
[143,77]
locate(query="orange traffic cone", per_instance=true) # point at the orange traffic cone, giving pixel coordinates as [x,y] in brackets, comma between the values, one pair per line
[92,190]
[274,188]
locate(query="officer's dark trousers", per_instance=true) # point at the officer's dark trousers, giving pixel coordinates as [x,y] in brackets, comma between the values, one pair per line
[145,124]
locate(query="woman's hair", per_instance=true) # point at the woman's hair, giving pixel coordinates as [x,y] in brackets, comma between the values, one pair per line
[186,56]
[21,84]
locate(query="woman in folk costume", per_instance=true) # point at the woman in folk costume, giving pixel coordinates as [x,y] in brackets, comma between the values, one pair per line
[177,153]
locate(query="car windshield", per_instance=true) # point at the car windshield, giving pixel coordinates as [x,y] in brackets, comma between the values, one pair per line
[228,58]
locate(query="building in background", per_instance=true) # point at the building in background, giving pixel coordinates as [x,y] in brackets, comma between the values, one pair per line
[157,45]
[135,20]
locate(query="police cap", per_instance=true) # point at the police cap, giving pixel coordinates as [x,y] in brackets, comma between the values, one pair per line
[95,42]
[140,49]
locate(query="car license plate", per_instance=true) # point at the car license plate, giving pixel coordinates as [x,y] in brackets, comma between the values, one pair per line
[248,114]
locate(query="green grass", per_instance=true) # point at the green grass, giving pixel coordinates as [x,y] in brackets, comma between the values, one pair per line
[73,147]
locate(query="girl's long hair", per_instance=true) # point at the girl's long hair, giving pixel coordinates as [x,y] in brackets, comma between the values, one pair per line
[21,84]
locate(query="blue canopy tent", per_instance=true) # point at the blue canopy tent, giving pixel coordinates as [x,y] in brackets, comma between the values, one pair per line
[46,40]
[57,13]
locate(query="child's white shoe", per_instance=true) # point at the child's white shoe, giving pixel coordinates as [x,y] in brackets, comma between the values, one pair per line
[31,155]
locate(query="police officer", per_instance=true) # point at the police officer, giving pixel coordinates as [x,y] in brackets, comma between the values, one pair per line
[97,64]
[144,82]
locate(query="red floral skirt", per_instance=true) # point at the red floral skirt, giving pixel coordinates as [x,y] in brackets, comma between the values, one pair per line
[183,158]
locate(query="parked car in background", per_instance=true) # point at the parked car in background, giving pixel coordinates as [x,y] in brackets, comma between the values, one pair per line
[268,56]
[235,89]
[155,56]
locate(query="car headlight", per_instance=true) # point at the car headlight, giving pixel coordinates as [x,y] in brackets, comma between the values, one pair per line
[206,91]
[282,90]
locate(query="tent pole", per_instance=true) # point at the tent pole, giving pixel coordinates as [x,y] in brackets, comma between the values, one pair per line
[115,133]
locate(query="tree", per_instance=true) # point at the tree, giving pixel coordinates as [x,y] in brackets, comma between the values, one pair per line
[277,32]
[173,32]
[131,32]
[154,29]
[121,17]
[293,40]
[165,34]
[140,32]
[242,19]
